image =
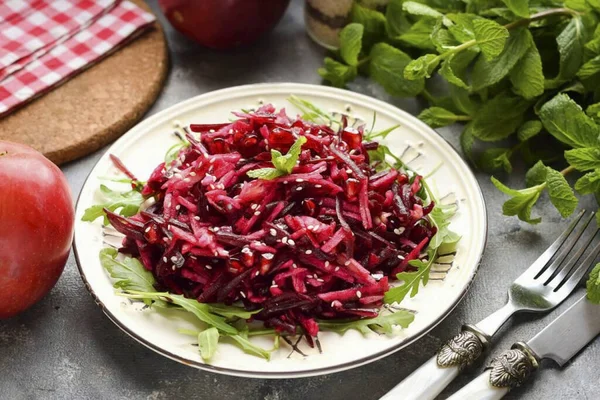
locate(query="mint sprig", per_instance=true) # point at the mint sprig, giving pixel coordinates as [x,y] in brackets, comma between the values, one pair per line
[283,163]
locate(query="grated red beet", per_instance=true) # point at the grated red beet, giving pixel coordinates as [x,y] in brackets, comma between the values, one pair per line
[301,247]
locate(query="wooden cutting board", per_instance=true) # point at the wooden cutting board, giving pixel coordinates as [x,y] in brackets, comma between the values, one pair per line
[97,106]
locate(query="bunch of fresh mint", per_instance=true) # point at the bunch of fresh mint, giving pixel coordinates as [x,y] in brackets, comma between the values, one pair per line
[525,73]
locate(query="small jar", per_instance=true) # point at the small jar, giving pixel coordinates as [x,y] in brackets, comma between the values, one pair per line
[325,18]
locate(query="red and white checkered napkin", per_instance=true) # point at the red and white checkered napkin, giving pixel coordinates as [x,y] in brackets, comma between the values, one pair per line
[79,47]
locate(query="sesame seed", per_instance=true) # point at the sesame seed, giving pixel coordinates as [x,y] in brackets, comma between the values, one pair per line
[318,186]
[229,207]
[257,213]
[192,173]
[197,218]
[173,268]
[285,182]
[310,227]
[274,286]
[165,259]
[257,273]
[273,232]
[358,294]
[186,179]
[337,269]
[294,265]
[284,239]
[333,304]
[178,207]
[399,231]
[308,252]
[212,131]
[147,229]
[230,131]
[299,180]
[212,160]
[349,171]
[208,267]
[401,257]
[254,206]
[326,264]
[290,242]
[347,263]
[242,294]
[216,253]
[268,256]
[299,188]
[216,229]
[166,239]
[377,276]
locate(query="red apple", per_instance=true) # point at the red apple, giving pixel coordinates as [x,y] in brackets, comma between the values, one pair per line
[222,24]
[36,228]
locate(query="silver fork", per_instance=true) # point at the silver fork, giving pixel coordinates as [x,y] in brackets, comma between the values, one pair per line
[543,286]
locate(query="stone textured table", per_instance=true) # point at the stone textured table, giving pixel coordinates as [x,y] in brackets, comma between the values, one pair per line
[66,348]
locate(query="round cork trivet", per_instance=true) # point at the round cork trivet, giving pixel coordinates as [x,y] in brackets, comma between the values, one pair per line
[96,106]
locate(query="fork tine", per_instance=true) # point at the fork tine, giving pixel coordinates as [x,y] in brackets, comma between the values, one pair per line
[568,284]
[566,267]
[569,243]
[538,265]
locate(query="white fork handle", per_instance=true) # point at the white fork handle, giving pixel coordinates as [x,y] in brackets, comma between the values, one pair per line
[424,383]
[480,389]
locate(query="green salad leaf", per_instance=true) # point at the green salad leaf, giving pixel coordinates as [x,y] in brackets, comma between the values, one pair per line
[283,163]
[126,204]
[382,323]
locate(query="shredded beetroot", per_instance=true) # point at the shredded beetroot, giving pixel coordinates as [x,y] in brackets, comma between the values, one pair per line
[319,243]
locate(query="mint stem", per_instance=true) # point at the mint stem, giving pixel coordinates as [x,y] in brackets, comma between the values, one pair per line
[541,15]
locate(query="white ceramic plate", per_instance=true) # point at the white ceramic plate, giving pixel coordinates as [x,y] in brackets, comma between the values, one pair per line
[144,146]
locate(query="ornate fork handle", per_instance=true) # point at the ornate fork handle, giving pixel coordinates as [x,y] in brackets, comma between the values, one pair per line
[463,349]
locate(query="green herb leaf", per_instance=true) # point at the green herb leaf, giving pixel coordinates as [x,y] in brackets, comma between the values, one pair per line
[584,159]
[284,164]
[396,22]
[126,204]
[410,280]
[208,340]
[527,76]
[351,42]
[593,112]
[250,348]
[336,73]
[467,140]
[561,194]
[414,8]
[437,117]
[519,7]
[463,29]
[128,274]
[387,68]
[521,201]
[566,121]
[381,323]
[570,46]
[231,311]
[418,35]
[536,174]
[441,217]
[487,72]
[454,68]
[529,129]
[499,117]
[421,67]
[490,37]
[590,70]
[588,183]
[374,24]
[593,285]
[496,158]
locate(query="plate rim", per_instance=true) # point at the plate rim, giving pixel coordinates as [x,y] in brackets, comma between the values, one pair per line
[304,373]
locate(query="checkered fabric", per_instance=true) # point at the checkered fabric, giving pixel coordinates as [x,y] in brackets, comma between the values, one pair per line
[72,55]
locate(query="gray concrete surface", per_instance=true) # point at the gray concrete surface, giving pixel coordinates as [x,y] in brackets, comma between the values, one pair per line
[65,348]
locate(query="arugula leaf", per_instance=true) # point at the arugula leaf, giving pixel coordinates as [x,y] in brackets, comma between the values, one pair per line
[350,43]
[570,46]
[566,121]
[496,158]
[499,117]
[536,174]
[336,73]
[588,183]
[440,216]
[527,76]
[488,72]
[174,150]
[437,117]
[284,164]
[411,280]
[200,310]
[584,159]
[519,7]
[593,285]
[561,194]
[208,340]
[521,202]
[126,204]
[231,311]
[529,129]
[250,348]
[490,36]
[382,134]
[387,68]
[383,323]
[128,274]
